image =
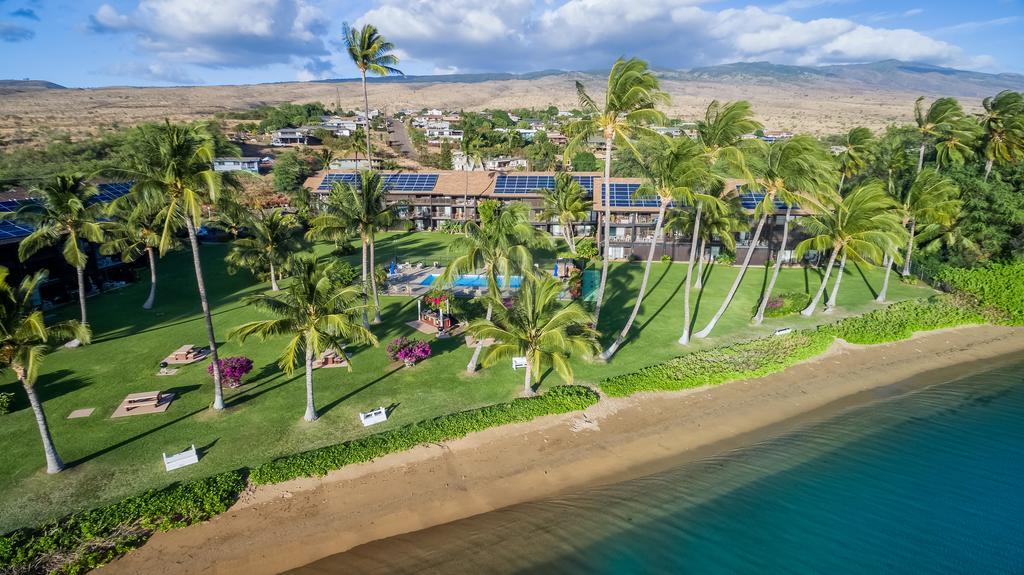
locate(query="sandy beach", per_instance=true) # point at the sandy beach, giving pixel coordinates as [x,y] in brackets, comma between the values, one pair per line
[280,527]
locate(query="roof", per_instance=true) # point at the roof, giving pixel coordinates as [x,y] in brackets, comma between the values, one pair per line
[243,159]
[12,231]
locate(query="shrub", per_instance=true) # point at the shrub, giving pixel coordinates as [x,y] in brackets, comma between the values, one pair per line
[6,399]
[900,320]
[232,369]
[726,259]
[318,462]
[666,259]
[407,350]
[997,286]
[714,366]
[88,539]
[586,248]
[452,227]
[784,304]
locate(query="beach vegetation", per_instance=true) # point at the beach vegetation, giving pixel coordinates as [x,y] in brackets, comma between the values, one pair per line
[998,287]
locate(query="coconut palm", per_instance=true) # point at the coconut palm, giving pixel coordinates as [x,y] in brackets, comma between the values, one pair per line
[316,312]
[172,166]
[567,203]
[370,52]
[793,171]
[498,247]
[362,207]
[675,169]
[861,227]
[857,145]
[629,101]
[134,231]
[955,145]
[271,243]
[943,116]
[540,328]
[1002,126]
[324,158]
[66,212]
[931,199]
[24,340]
[721,220]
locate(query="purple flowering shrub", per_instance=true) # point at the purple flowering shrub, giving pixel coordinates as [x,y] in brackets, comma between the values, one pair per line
[407,351]
[232,370]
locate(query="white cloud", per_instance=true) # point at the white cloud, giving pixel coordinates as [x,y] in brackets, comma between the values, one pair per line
[155,71]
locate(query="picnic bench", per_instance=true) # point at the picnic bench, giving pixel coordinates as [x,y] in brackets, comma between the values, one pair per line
[518,362]
[331,358]
[187,353]
[783,331]
[144,399]
[373,416]
[178,460]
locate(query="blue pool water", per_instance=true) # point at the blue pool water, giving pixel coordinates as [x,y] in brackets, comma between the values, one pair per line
[930,481]
[472,281]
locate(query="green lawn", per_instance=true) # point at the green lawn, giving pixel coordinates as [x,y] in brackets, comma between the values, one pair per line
[112,458]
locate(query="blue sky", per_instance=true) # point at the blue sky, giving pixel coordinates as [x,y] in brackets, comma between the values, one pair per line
[167,42]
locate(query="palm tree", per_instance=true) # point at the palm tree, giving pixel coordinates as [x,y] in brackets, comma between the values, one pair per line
[629,102]
[955,144]
[67,212]
[861,226]
[1002,126]
[133,232]
[721,220]
[540,328]
[269,246]
[370,52]
[172,166]
[931,199]
[854,158]
[316,312]
[498,247]
[674,169]
[797,170]
[567,203]
[364,208]
[942,116]
[325,157]
[24,340]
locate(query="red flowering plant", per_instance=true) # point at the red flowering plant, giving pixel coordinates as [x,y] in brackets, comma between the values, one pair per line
[436,298]
[407,351]
[232,370]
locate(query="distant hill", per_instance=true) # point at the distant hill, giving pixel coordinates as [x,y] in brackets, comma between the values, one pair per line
[11,86]
[453,78]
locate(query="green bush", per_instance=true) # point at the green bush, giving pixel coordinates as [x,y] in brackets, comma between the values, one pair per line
[666,259]
[997,286]
[714,366]
[900,320]
[318,462]
[6,399]
[784,304]
[89,539]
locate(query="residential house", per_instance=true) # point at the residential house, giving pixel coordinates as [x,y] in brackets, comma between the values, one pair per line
[288,137]
[246,164]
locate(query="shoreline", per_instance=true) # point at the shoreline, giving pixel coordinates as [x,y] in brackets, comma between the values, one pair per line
[284,526]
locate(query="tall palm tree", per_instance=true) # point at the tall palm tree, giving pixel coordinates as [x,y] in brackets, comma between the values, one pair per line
[722,220]
[370,52]
[861,226]
[955,145]
[271,243]
[942,116]
[567,203]
[362,207]
[1002,126]
[316,312]
[67,212]
[24,340]
[674,170]
[325,157]
[629,104]
[794,171]
[857,145]
[931,199]
[498,247]
[134,231]
[172,166]
[540,328]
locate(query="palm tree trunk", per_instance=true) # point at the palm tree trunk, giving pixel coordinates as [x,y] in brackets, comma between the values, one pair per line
[152,279]
[607,225]
[685,338]
[473,361]
[700,264]
[910,249]
[366,110]
[373,282]
[759,316]
[218,393]
[735,284]
[821,289]
[527,380]
[887,262]
[920,158]
[608,353]
[80,271]
[273,278]
[366,318]
[831,303]
[988,169]
[567,234]
[842,180]
[310,405]
[53,462]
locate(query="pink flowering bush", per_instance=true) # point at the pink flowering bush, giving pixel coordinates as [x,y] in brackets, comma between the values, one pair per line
[407,351]
[232,370]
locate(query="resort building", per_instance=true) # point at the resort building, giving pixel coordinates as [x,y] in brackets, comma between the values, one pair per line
[251,165]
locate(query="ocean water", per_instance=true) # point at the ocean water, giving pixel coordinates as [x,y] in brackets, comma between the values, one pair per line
[929,481]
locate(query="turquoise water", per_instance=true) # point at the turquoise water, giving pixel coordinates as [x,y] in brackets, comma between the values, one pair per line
[931,481]
[473,281]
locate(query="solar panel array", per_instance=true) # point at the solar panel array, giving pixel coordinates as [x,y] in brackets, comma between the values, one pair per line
[511,184]
[12,230]
[392,182]
[750,201]
[622,197]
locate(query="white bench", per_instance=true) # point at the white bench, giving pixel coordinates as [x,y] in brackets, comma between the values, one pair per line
[518,362]
[187,457]
[783,331]
[373,416]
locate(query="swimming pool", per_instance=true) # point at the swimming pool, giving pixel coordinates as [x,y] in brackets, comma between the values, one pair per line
[472,281]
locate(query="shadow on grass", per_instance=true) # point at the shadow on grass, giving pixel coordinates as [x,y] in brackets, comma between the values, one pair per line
[352,393]
[874,294]
[158,324]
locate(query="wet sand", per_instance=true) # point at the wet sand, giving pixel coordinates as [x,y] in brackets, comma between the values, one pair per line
[281,527]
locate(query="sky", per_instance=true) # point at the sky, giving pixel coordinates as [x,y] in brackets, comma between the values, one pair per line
[81,43]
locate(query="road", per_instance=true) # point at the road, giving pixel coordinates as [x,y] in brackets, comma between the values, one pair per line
[397,133]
